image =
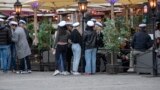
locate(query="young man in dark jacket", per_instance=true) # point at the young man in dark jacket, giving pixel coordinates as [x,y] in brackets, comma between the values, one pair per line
[140,43]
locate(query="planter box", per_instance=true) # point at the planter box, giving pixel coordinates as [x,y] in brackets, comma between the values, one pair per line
[112,69]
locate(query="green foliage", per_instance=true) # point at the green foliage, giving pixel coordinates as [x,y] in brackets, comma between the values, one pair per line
[114,33]
[45,36]
[123,28]
[137,20]
[111,35]
[30,27]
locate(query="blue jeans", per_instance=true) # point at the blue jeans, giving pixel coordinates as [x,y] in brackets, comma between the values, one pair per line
[60,62]
[60,57]
[5,57]
[90,58]
[76,49]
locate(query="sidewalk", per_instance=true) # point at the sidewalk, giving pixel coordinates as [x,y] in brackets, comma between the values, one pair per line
[45,81]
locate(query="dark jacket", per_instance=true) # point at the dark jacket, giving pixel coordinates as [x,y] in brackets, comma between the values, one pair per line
[61,38]
[29,39]
[141,41]
[5,35]
[90,38]
[76,36]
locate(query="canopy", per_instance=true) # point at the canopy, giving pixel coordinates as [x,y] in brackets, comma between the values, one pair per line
[120,1]
[48,4]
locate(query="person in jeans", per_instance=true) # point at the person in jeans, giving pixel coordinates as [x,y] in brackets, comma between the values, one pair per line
[5,53]
[60,45]
[90,39]
[69,49]
[22,47]
[76,48]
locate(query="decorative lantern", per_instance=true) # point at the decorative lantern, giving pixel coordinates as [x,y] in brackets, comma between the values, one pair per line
[82,4]
[18,7]
[152,4]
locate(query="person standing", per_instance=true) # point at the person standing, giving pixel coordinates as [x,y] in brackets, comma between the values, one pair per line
[60,45]
[90,38]
[69,49]
[76,48]
[5,53]
[22,47]
[22,24]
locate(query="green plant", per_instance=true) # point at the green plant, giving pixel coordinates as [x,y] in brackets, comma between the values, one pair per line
[111,35]
[30,27]
[44,35]
[114,33]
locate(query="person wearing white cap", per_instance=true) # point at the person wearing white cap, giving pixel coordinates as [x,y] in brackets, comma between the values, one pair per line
[5,41]
[22,24]
[90,37]
[13,25]
[141,42]
[22,47]
[60,47]
[76,40]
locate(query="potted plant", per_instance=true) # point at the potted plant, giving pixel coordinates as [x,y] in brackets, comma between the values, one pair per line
[114,32]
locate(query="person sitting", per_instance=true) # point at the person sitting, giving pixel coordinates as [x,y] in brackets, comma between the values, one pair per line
[124,54]
[140,43]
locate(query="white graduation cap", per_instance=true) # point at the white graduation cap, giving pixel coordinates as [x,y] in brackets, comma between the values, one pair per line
[99,24]
[22,21]
[11,17]
[13,23]
[90,23]
[75,24]
[1,20]
[62,23]
[142,25]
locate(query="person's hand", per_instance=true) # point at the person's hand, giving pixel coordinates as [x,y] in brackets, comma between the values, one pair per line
[53,50]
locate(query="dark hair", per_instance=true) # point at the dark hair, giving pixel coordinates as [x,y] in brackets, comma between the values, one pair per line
[62,30]
[89,28]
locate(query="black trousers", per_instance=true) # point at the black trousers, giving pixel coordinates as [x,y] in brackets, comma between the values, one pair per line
[61,50]
[69,55]
[25,64]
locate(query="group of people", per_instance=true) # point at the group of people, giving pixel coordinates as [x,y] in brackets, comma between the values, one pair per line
[76,41]
[16,46]
[70,43]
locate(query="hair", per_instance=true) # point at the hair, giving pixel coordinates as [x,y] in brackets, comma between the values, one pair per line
[62,30]
[89,28]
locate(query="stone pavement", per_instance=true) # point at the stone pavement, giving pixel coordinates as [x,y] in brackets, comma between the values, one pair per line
[45,81]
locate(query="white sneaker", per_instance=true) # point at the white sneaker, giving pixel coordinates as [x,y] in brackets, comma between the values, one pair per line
[18,72]
[130,70]
[56,72]
[65,73]
[29,71]
[21,72]
[24,72]
[76,73]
